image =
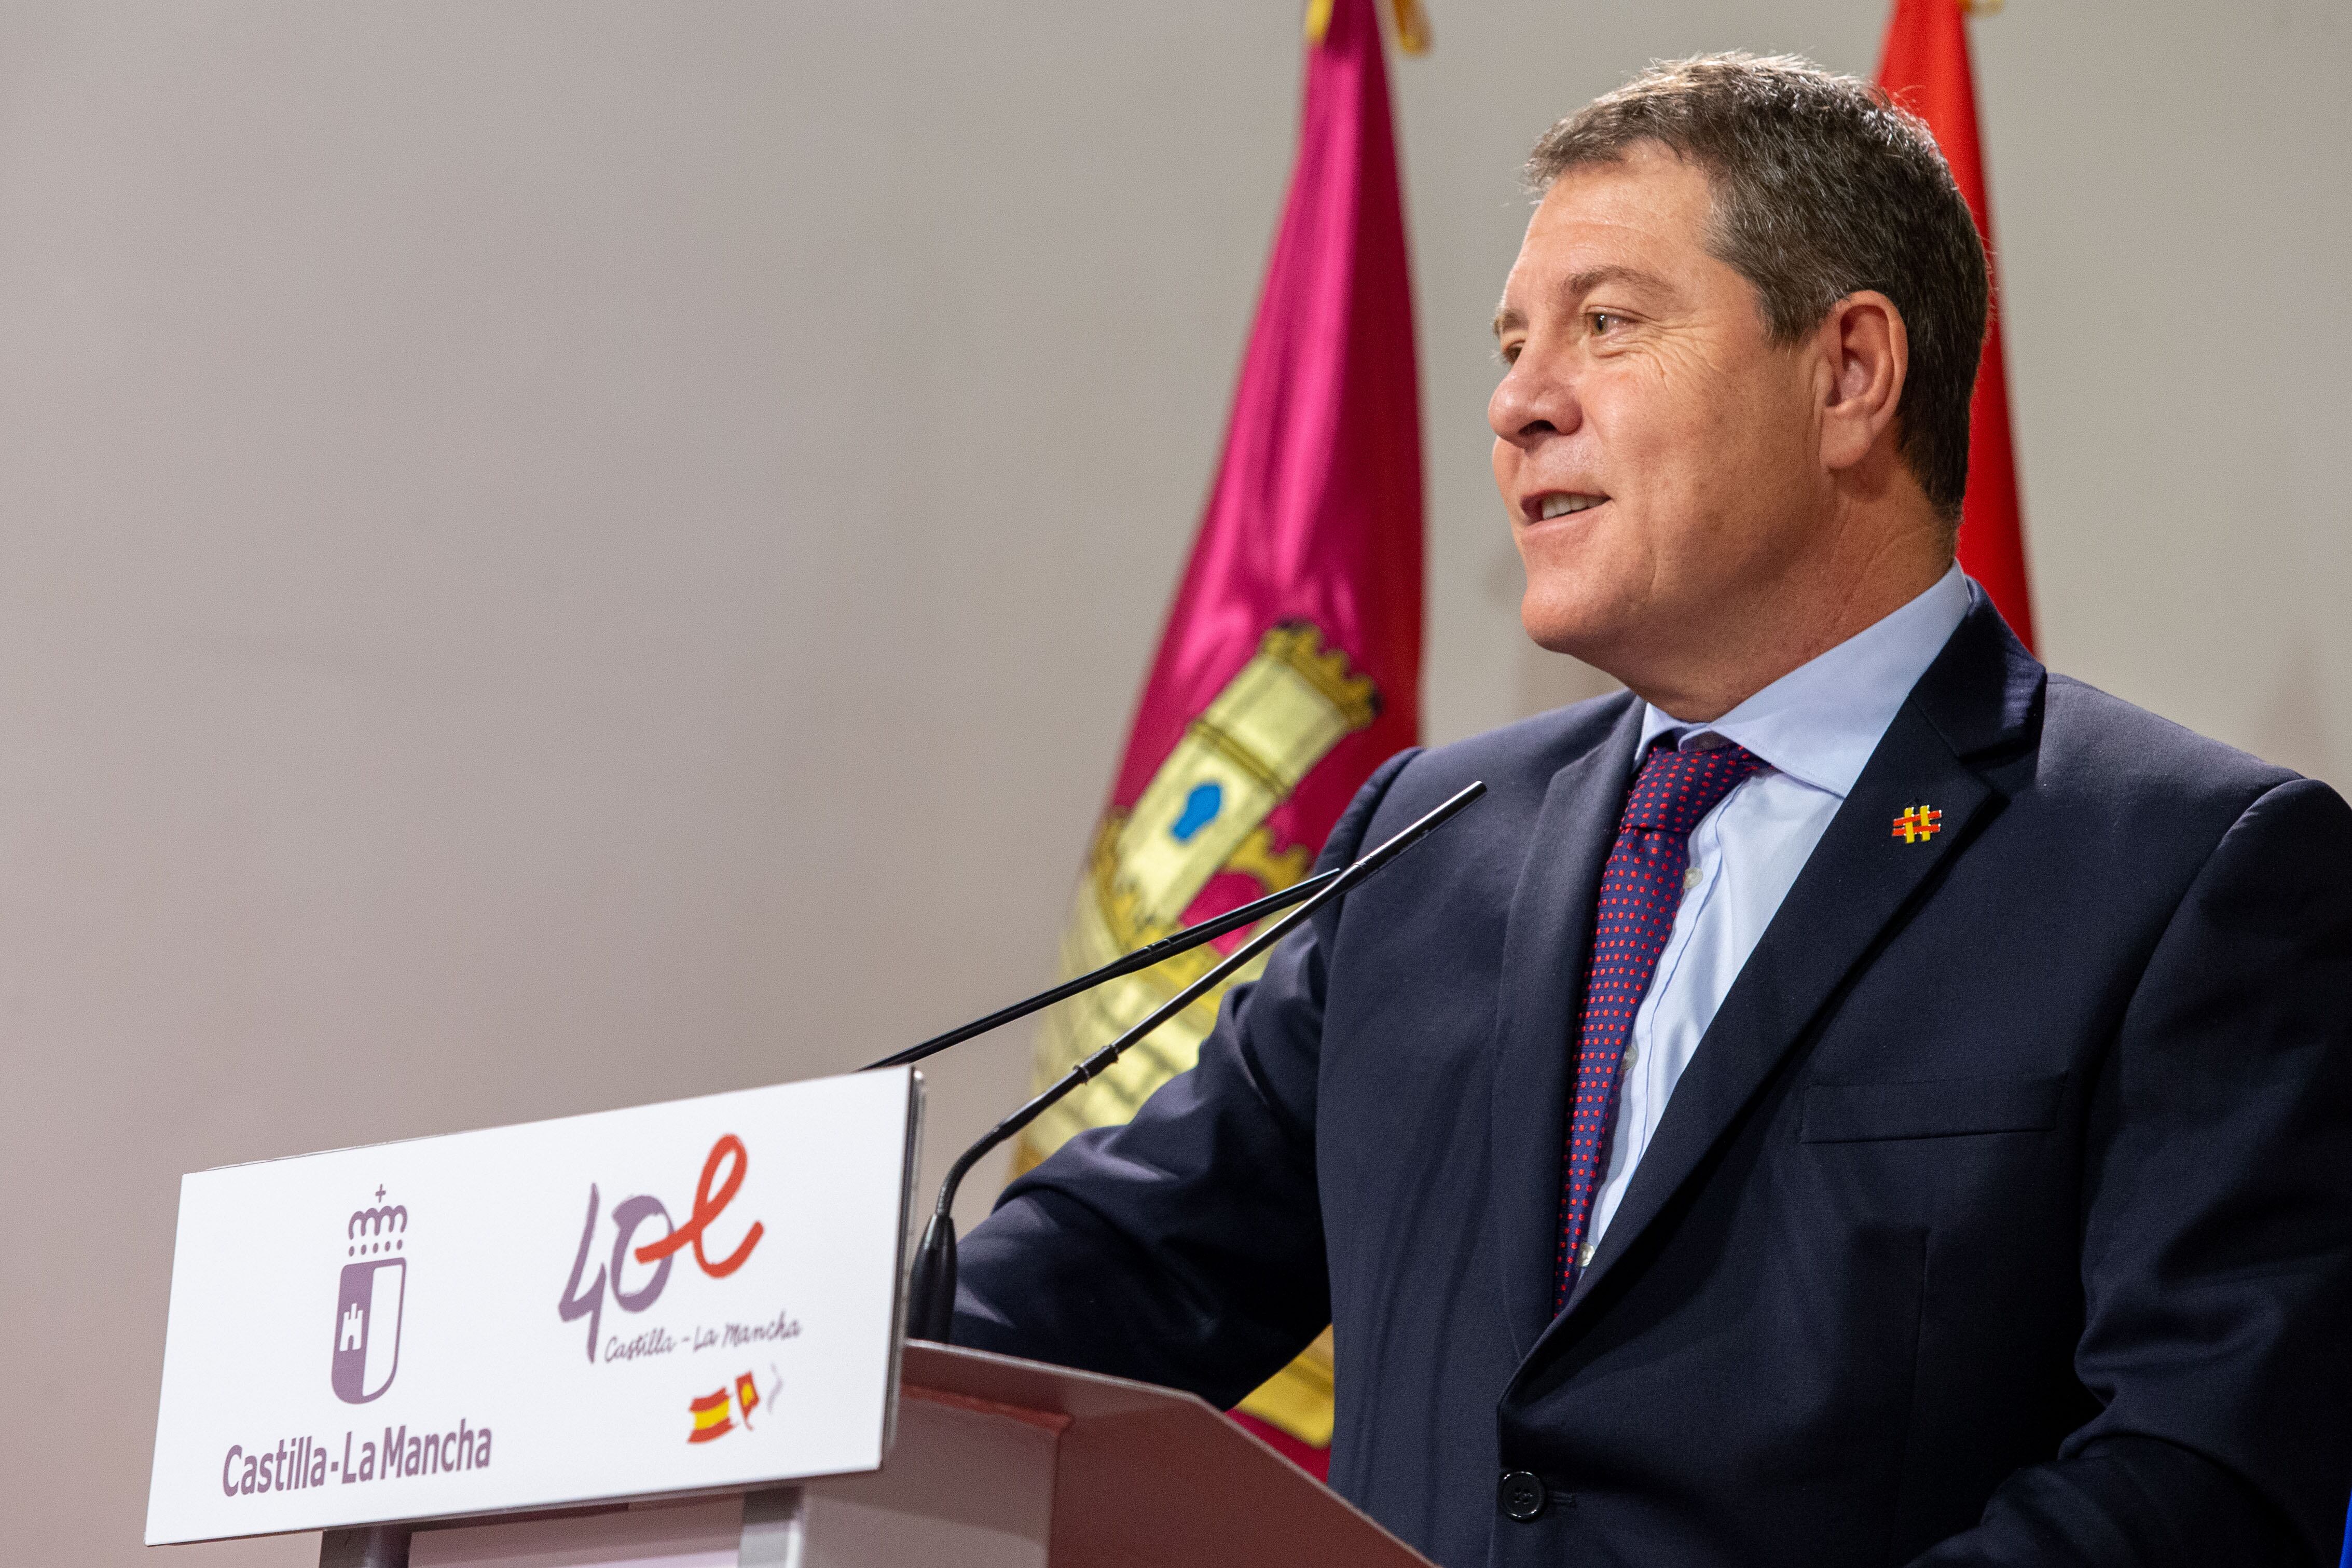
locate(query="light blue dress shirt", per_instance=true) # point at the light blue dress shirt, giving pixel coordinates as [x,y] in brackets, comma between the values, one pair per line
[1815,726]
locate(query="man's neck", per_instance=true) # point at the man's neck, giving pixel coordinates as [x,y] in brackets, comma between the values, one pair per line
[1785,633]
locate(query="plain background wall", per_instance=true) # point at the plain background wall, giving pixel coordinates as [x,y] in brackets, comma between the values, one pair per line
[559,556]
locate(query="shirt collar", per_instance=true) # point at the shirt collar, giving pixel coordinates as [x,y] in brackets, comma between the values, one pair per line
[1820,722]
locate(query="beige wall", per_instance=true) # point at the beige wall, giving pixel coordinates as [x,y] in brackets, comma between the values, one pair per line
[559,556]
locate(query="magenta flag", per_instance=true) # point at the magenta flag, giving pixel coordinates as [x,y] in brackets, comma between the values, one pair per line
[1317,510]
[1290,665]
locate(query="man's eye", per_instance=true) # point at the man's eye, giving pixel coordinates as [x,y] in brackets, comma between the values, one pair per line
[1604,321]
[1508,353]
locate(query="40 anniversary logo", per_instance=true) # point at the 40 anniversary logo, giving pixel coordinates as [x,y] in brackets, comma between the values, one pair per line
[711,1196]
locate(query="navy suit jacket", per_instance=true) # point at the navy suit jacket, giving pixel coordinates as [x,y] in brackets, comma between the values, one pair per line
[2003,1215]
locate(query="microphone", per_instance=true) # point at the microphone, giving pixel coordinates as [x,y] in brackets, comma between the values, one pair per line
[931,1287]
[1159,952]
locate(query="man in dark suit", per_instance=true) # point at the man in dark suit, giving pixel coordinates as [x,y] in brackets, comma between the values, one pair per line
[1851,1099]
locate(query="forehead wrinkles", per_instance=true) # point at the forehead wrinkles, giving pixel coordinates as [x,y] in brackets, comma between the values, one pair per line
[1646,225]
[1647,186]
[1638,227]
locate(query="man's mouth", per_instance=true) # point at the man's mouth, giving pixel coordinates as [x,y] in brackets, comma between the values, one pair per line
[1543,508]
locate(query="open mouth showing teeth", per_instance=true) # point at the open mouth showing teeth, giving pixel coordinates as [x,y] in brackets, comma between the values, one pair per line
[1560,505]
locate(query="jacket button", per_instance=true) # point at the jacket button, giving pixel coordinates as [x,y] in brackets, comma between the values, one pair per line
[1522,1495]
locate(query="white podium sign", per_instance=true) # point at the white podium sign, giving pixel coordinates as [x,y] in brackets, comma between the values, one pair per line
[681,1295]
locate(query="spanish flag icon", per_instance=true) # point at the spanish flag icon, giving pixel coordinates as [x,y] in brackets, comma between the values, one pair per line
[710,1418]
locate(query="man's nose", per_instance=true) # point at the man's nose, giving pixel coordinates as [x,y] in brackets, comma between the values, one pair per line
[1532,401]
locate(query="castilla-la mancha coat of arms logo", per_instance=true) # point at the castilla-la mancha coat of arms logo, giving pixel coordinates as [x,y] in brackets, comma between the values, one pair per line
[367,1314]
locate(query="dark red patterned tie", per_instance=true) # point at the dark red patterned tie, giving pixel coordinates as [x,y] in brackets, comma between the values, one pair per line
[1641,887]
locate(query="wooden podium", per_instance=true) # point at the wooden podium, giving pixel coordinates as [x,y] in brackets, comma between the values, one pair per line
[998,1463]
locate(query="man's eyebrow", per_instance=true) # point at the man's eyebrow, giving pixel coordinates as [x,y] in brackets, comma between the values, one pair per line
[1586,282]
[1507,316]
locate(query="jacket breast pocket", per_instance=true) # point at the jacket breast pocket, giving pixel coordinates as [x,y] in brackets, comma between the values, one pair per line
[1941,1107]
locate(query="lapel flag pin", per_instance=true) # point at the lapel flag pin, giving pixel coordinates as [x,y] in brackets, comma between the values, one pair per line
[1917,824]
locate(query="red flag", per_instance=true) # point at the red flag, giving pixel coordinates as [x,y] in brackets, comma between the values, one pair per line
[1924,67]
[1290,665]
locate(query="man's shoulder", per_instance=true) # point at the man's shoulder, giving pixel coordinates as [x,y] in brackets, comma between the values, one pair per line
[2092,749]
[1516,761]
[2097,746]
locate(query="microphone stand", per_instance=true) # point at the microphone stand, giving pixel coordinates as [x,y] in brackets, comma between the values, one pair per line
[1159,952]
[930,1308]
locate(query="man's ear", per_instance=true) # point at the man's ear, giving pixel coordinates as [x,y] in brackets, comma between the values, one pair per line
[1868,354]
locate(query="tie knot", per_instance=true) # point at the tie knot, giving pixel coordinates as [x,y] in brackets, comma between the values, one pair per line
[1675,789]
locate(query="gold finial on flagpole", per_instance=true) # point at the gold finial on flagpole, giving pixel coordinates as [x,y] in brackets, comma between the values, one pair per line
[1411,23]
[1982,7]
[1411,26]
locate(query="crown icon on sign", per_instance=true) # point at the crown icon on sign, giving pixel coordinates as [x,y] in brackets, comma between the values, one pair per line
[371,1231]
[368,1305]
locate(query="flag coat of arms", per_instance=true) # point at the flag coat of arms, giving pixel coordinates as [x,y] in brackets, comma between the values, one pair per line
[1290,664]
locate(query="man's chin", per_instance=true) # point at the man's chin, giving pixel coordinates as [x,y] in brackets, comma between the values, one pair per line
[1581,631]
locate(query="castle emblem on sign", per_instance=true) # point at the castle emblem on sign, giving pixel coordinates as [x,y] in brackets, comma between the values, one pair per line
[367,1311]
[1204,814]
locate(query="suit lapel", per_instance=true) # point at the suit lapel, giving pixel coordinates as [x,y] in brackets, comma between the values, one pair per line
[1545,940]
[1981,696]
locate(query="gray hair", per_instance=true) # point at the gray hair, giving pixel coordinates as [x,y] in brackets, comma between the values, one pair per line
[1822,187]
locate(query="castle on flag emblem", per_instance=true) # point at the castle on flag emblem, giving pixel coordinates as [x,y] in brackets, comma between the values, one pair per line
[1202,814]
[368,1308]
